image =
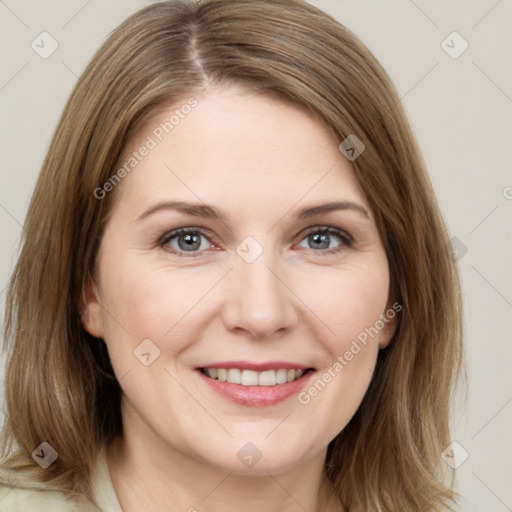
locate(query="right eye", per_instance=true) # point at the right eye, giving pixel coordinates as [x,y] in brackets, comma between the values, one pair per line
[186,242]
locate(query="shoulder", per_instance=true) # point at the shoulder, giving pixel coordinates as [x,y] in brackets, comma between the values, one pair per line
[19,499]
[21,493]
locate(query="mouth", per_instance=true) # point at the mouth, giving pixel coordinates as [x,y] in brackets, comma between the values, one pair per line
[246,377]
[255,385]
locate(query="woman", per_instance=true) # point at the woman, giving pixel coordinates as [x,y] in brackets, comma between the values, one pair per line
[243,295]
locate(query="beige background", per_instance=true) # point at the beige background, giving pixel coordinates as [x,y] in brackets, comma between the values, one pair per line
[461,111]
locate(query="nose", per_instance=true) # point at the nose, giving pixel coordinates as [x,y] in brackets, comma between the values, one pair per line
[260,303]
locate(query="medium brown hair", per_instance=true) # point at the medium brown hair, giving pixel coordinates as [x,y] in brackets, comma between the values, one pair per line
[60,386]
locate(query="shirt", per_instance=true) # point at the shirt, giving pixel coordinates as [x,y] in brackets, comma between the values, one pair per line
[34,498]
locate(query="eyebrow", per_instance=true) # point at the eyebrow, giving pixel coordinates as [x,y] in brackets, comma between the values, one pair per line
[211,212]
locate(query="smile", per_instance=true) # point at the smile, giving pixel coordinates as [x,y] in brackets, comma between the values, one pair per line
[253,378]
[255,385]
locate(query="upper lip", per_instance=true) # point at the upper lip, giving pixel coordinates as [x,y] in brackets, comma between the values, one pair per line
[258,367]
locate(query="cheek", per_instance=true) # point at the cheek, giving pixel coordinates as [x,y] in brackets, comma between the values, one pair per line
[348,301]
[351,305]
[151,302]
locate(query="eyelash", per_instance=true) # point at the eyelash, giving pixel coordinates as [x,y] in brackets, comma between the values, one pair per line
[345,238]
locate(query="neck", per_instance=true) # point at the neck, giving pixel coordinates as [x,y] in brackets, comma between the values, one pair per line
[149,474]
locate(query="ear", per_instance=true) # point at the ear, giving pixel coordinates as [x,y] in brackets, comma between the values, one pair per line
[91,311]
[390,319]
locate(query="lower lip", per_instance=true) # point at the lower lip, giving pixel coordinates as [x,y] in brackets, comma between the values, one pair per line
[256,396]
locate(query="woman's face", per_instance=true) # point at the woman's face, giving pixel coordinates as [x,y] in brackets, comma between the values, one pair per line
[264,278]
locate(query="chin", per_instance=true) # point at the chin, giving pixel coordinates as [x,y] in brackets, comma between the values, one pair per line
[259,455]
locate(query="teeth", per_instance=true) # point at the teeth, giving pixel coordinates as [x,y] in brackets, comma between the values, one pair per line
[267,378]
[252,378]
[249,378]
[234,375]
[281,376]
[212,372]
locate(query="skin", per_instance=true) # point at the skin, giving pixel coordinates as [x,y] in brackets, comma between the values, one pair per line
[259,160]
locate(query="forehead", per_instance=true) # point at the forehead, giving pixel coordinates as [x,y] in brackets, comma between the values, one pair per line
[235,148]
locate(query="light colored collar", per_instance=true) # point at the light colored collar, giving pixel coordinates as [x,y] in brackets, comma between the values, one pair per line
[103,492]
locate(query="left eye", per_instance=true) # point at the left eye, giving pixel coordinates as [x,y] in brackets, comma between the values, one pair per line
[319,239]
